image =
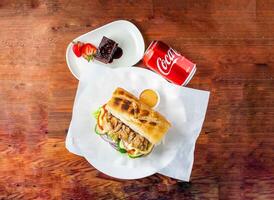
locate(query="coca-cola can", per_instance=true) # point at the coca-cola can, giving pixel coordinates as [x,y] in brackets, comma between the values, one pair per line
[170,64]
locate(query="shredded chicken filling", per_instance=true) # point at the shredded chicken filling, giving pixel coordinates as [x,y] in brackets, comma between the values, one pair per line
[116,129]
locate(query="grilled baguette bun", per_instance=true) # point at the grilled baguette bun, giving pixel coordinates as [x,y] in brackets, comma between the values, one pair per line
[138,116]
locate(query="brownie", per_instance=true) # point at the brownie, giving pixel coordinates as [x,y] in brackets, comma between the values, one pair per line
[106,50]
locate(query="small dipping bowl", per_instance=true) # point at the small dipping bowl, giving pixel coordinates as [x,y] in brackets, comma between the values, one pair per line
[150,97]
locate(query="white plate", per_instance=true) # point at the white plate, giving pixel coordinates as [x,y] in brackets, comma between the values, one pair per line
[90,95]
[121,172]
[123,32]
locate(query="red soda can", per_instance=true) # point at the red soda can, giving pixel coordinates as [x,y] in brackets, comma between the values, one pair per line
[167,62]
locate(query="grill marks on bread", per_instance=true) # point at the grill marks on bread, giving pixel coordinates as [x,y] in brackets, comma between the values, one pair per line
[125,105]
[138,116]
[132,108]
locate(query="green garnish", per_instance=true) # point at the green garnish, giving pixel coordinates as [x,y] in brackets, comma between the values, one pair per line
[122,150]
[121,147]
[96,131]
[113,136]
[135,156]
[96,113]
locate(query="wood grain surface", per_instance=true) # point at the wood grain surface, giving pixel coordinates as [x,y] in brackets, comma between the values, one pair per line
[232,43]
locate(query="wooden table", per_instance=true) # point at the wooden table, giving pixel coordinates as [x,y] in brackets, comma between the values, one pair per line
[232,43]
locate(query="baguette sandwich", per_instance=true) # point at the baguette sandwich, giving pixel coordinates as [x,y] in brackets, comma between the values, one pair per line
[129,125]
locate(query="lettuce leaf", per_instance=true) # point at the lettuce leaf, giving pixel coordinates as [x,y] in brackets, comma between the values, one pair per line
[96,113]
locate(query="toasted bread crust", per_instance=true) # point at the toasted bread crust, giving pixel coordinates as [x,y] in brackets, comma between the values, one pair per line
[138,116]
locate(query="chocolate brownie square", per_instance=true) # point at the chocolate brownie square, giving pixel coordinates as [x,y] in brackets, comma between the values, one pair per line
[106,50]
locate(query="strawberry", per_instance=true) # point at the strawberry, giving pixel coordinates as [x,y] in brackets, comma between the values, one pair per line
[77,47]
[88,51]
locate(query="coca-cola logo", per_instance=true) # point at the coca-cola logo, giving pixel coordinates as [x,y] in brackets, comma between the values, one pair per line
[165,64]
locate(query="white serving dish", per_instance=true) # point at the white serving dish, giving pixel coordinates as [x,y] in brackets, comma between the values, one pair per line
[125,33]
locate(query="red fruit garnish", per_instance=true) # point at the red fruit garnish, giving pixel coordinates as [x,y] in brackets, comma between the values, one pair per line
[131,151]
[77,47]
[88,51]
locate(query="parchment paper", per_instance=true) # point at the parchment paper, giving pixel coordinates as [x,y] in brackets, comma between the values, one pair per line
[185,108]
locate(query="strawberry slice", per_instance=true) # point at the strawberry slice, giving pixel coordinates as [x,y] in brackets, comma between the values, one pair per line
[77,47]
[88,51]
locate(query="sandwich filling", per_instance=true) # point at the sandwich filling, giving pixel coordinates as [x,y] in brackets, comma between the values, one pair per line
[134,143]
